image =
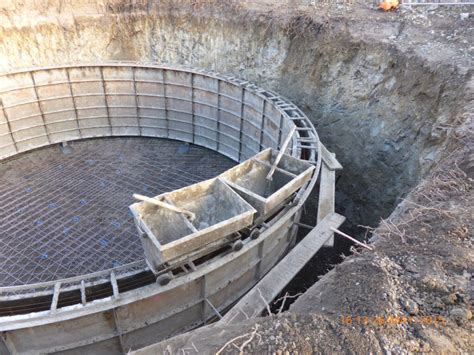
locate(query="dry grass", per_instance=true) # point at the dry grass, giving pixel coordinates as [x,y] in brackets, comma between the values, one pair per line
[247,339]
[283,300]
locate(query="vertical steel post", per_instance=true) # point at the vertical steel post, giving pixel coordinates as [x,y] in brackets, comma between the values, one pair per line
[241,122]
[73,101]
[193,118]
[9,125]
[165,103]
[262,126]
[105,100]
[218,114]
[137,103]
[35,89]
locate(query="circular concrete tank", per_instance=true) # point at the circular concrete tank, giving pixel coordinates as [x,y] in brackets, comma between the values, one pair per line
[75,257]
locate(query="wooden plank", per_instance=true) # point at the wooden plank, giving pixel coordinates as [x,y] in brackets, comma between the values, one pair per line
[330,159]
[253,303]
[327,196]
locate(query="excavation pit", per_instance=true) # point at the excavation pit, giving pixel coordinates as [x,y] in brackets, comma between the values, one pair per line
[387,102]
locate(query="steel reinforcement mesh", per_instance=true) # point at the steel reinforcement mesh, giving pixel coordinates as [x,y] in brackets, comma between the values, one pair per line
[64,210]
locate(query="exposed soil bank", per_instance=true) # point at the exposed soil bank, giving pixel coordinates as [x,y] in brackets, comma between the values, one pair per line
[387,92]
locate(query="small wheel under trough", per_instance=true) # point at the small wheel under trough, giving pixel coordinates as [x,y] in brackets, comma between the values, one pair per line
[255,233]
[163,279]
[237,245]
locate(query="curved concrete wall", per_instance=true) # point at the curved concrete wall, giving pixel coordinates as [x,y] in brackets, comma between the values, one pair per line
[48,106]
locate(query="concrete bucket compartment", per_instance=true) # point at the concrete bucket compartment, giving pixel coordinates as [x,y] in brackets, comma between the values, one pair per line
[169,236]
[248,179]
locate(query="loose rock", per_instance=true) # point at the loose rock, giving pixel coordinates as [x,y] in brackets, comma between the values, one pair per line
[460,315]
[410,306]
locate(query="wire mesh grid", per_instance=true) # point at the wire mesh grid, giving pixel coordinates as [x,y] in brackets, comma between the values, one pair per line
[64,212]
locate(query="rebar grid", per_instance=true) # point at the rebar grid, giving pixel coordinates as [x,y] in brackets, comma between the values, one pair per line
[228,115]
[65,214]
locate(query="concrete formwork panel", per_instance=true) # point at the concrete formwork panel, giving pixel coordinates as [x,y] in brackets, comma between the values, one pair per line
[53,105]
[90,102]
[57,105]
